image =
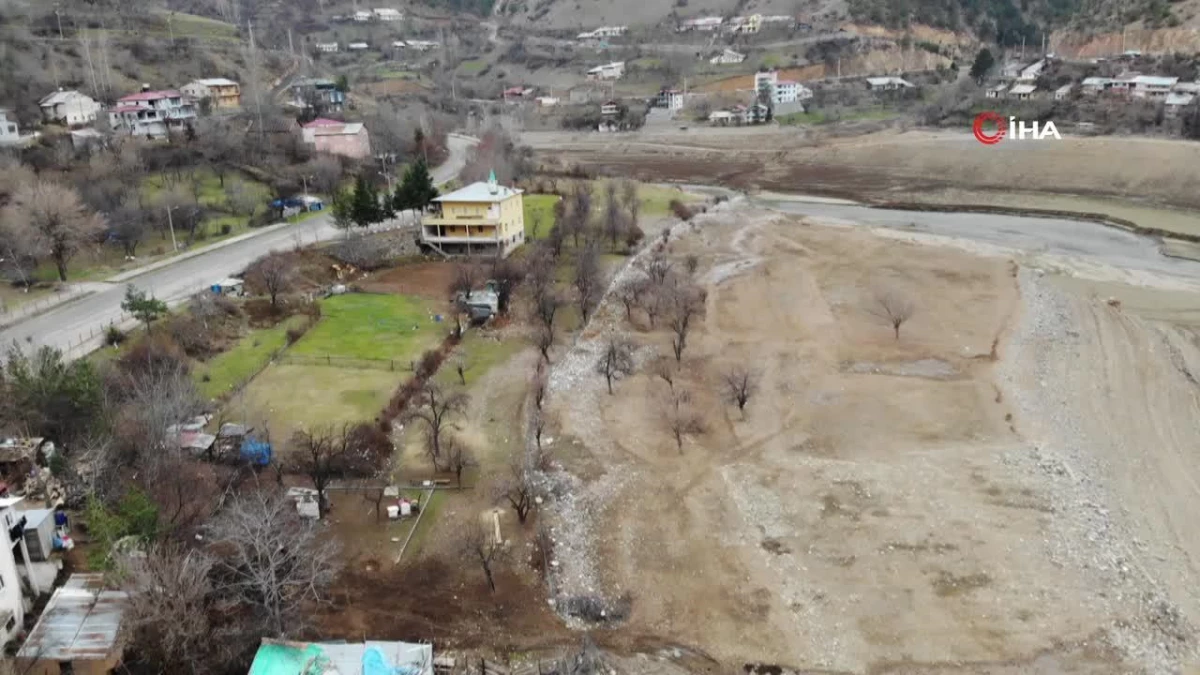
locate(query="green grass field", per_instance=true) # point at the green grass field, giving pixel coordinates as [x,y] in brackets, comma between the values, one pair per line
[294,397]
[472,66]
[478,354]
[365,326]
[819,117]
[539,207]
[229,369]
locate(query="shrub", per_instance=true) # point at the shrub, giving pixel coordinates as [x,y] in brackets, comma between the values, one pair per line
[226,228]
[113,336]
[429,363]
[680,210]
[294,334]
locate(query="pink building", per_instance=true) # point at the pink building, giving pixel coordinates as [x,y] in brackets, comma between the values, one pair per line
[348,139]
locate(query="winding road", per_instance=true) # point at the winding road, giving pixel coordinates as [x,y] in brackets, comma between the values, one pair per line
[76,327]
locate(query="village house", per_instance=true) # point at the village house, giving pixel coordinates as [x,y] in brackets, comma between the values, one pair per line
[722,118]
[362,15]
[727,57]
[279,657]
[348,139]
[1022,92]
[222,93]
[704,24]
[996,91]
[671,99]
[12,601]
[1154,87]
[1096,85]
[610,108]
[768,85]
[1124,83]
[1031,72]
[517,94]
[357,46]
[152,114]
[603,32]
[887,83]
[69,107]
[608,71]
[419,45]
[1186,87]
[318,91]
[326,47]
[745,25]
[1176,102]
[79,630]
[10,133]
[1063,92]
[483,218]
[388,14]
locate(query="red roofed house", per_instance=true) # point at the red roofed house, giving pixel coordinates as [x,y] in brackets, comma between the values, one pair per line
[348,139]
[152,114]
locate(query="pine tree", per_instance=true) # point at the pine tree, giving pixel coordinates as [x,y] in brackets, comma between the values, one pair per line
[423,189]
[364,204]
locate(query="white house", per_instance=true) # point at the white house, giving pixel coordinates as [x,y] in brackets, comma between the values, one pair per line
[727,57]
[1031,72]
[420,45]
[1063,92]
[603,32]
[357,46]
[1096,85]
[362,15]
[747,25]
[887,83]
[705,24]
[1151,86]
[996,91]
[69,107]
[1124,83]
[9,133]
[780,91]
[1177,101]
[608,71]
[1022,92]
[12,602]
[327,47]
[387,14]
[1187,87]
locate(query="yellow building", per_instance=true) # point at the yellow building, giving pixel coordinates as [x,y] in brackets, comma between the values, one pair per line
[480,219]
[221,92]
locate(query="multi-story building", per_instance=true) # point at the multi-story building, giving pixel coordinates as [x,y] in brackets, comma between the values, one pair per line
[480,219]
[69,107]
[1152,86]
[153,114]
[318,92]
[222,93]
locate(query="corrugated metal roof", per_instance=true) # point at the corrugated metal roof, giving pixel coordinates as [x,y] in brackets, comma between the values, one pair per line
[217,82]
[79,623]
[150,95]
[1155,81]
[340,130]
[276,657]
[61,97]
[1022,89]
[1180,98]
[479,192]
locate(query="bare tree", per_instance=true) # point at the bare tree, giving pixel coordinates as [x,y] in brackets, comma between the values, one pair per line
[680,418]
[686,304]
[170,613]
[461,367]
[466,276]
[275,273]
[894,308]
[546,307]
[60,224]
[740,383]
[476,544]
[632,293]
[665,370]
[543,339]
[507,274]
[629,192]
[459,457]
[539,272]
[588,280]
[659,268]
[541,381]
[435,407]
[322,455]
[616,359]
[517,489]
[614,215]
[326,174]
[580,214]
[691,263]
[271,559]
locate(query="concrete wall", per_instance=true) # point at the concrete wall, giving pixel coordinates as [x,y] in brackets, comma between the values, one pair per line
[357,145]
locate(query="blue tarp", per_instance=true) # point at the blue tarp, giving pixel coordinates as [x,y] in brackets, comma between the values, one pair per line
[256,452]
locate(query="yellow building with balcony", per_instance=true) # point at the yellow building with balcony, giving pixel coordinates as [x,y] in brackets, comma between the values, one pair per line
[483,218]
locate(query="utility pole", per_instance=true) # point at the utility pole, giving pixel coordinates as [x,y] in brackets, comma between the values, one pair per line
[291,49]
[257,82]
[87,51]
[58,16]
[171,27]
[171,224]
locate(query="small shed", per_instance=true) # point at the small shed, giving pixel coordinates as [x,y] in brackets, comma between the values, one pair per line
[78,631]
[255,452]
[230,286]
[306,502]
[39,533]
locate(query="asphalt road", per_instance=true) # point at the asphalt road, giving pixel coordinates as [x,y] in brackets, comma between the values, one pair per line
[76,327]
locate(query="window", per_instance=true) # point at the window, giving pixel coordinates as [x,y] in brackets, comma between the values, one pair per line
[12,623]
[12,128]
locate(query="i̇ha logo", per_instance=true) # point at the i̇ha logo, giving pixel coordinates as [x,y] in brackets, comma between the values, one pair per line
[990,128]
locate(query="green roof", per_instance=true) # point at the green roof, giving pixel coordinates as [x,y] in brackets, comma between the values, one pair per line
[283,659]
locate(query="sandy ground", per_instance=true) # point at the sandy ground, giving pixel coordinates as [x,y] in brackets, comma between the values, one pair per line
[1007,488]
[889,164]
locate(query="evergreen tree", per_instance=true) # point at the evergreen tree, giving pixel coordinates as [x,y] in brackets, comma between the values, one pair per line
[984,62]
[416,191]
[144,307]
[364,204]
[341,206]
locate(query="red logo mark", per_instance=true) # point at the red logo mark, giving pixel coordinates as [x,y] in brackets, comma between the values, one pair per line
[993,137]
